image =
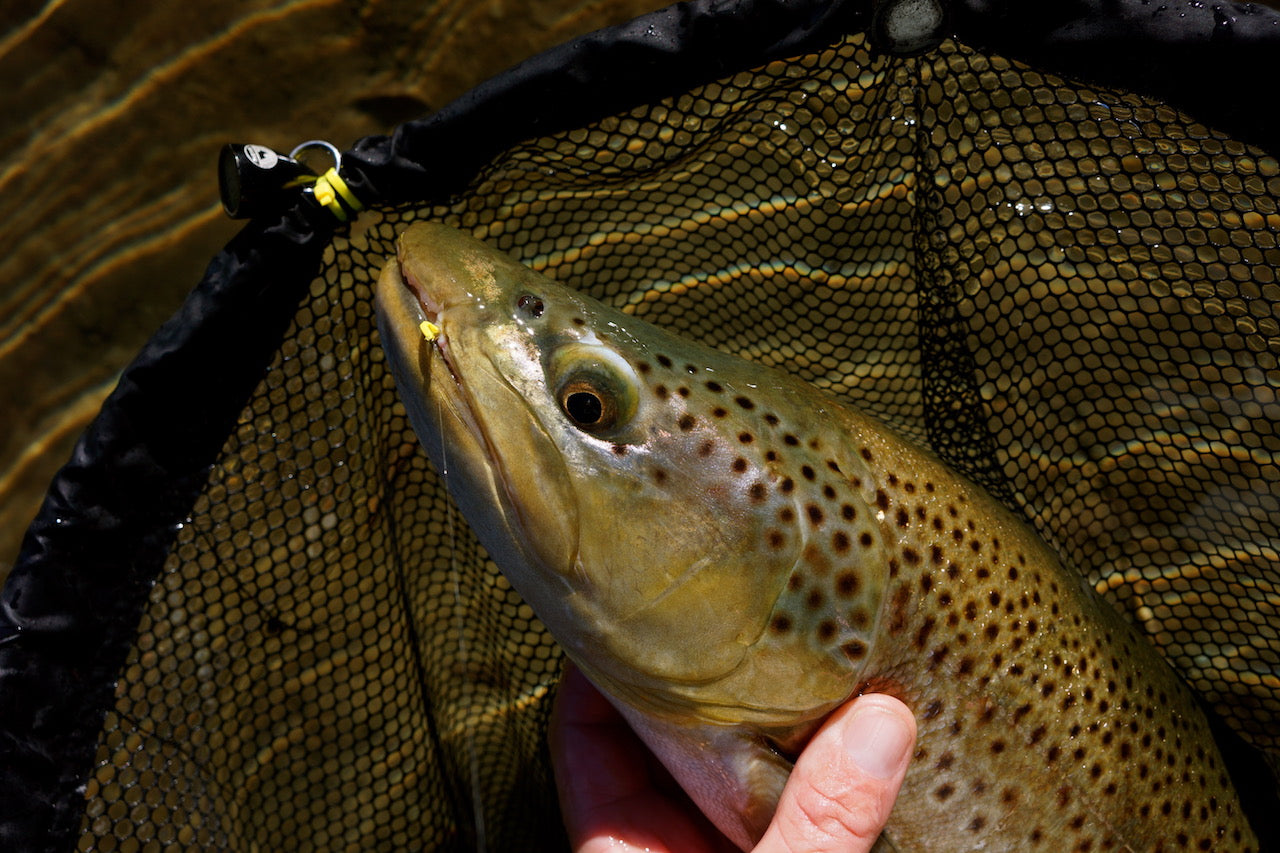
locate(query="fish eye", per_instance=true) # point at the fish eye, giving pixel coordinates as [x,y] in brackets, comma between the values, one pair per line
[593,388]
[589,405]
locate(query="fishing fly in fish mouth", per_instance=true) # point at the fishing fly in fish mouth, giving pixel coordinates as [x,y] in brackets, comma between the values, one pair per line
[729,555]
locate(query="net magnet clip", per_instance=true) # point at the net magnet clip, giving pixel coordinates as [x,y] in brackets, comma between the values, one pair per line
[255,180]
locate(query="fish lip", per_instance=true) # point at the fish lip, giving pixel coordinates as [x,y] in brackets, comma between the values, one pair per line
[431,308]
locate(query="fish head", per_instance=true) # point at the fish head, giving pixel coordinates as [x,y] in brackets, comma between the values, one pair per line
[605,478]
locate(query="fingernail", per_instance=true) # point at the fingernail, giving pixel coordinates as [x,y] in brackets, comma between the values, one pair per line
[877,741]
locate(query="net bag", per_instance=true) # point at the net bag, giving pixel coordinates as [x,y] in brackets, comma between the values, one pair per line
[248,618]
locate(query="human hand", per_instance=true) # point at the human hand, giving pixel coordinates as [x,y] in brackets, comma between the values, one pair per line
[615,796]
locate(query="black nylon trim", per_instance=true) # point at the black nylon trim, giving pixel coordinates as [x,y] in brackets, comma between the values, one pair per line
[70,608]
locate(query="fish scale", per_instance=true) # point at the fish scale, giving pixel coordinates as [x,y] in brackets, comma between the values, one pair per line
[730,554]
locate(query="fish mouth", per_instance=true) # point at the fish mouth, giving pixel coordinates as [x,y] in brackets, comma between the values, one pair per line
[418,304]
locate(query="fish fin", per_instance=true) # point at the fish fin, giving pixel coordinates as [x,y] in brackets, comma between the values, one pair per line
[732,774]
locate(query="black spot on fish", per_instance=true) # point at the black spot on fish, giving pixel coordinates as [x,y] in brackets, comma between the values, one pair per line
[815,514]
[686,422]
[806,471]
[854,649]
[689,368]
[771,419]
[719,412]
[847,584]
[790,440]
[866,454]
[706,448]
[922,635]
[713,385]
[664,361]
[781,623]
[898,610]
[847,512]
[682,391]
[746,437]
[643,366]
[661,391]
[744,402]
[757,492]
[739,465]
[840,541]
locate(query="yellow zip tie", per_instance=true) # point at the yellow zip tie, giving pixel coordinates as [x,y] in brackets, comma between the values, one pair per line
[429,330]
[329,187]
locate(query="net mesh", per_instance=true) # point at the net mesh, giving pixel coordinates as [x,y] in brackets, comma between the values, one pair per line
[1069,292]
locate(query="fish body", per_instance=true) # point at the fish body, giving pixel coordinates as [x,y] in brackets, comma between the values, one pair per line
[729,555]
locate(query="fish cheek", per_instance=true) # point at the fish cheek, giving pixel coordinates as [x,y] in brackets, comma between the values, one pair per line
[679,593]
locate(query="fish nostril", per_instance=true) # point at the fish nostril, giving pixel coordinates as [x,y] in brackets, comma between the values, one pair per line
[530,304]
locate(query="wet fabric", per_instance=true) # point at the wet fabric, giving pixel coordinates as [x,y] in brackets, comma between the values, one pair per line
[248,616]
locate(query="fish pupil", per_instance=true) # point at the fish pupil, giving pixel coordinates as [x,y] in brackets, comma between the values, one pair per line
[585,408]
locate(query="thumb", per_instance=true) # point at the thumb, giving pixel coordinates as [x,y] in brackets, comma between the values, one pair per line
[843,786]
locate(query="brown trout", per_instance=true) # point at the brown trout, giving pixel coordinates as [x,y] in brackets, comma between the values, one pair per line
[729,554]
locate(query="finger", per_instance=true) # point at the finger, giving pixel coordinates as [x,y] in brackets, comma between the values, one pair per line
[598,759]
[842,788]
[614,796]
